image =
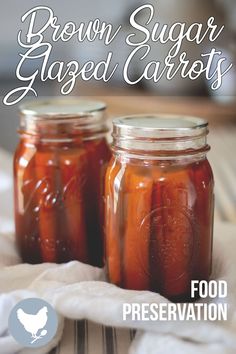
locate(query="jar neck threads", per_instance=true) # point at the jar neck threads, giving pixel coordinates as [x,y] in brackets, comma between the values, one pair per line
[160,137]
[63,120]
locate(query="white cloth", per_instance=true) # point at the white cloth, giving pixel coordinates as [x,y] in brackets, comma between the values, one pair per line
[79,291]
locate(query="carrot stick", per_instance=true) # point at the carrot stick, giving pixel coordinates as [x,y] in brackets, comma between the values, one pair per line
[30,213]
[173,225]
[98,155]
[103,157]
[138,192]
[46,166]
[113,201]
[156,236]
[20,198]
[73,167]
[26,205]
[203,208]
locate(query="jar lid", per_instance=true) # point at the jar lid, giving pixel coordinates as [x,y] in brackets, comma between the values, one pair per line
[61,108]
[158,125]
[56,117]
[160,132]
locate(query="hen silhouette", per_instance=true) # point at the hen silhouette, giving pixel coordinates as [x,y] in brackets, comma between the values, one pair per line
[33,323]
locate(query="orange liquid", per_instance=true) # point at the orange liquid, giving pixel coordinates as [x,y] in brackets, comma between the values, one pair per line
[58,200]
[159,226]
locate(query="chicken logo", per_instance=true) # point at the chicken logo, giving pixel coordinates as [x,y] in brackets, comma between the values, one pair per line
[33,322]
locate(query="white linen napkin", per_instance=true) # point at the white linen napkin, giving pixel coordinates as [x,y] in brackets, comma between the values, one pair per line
[79,291]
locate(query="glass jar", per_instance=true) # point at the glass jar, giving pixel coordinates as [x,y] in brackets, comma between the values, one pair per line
[159,205]
[59,167]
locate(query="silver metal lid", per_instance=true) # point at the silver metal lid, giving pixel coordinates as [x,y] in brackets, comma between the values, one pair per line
[158,126]
[63,116]
[61,107]
[159,132]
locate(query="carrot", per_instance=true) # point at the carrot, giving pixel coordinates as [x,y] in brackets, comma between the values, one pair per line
[73,167]
[203,208]
[138,192]
[113,209]
[156,235]
[102,157]
[173,226]
[19,201]
[48,192]
[26,205]
[98,155]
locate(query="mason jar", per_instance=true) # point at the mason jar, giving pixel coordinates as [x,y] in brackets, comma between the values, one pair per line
[59,167]
[159,205]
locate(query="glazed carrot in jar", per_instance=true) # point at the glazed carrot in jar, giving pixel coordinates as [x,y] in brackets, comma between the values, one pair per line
[131,266]
[98,154]
[172,232]
[60,161]
[161,212]
[204,209]
[25,198]
[73,168]
[47,191]
[114,228]
[138,194]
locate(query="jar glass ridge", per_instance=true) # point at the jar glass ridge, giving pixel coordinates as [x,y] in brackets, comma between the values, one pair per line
[160,136]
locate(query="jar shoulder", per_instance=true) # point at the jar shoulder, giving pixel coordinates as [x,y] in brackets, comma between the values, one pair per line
[51,152]
[197,172]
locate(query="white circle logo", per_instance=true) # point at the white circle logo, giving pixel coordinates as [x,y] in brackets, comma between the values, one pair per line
[33,322]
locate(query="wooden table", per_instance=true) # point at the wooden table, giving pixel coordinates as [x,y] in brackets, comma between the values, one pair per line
[122,101]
